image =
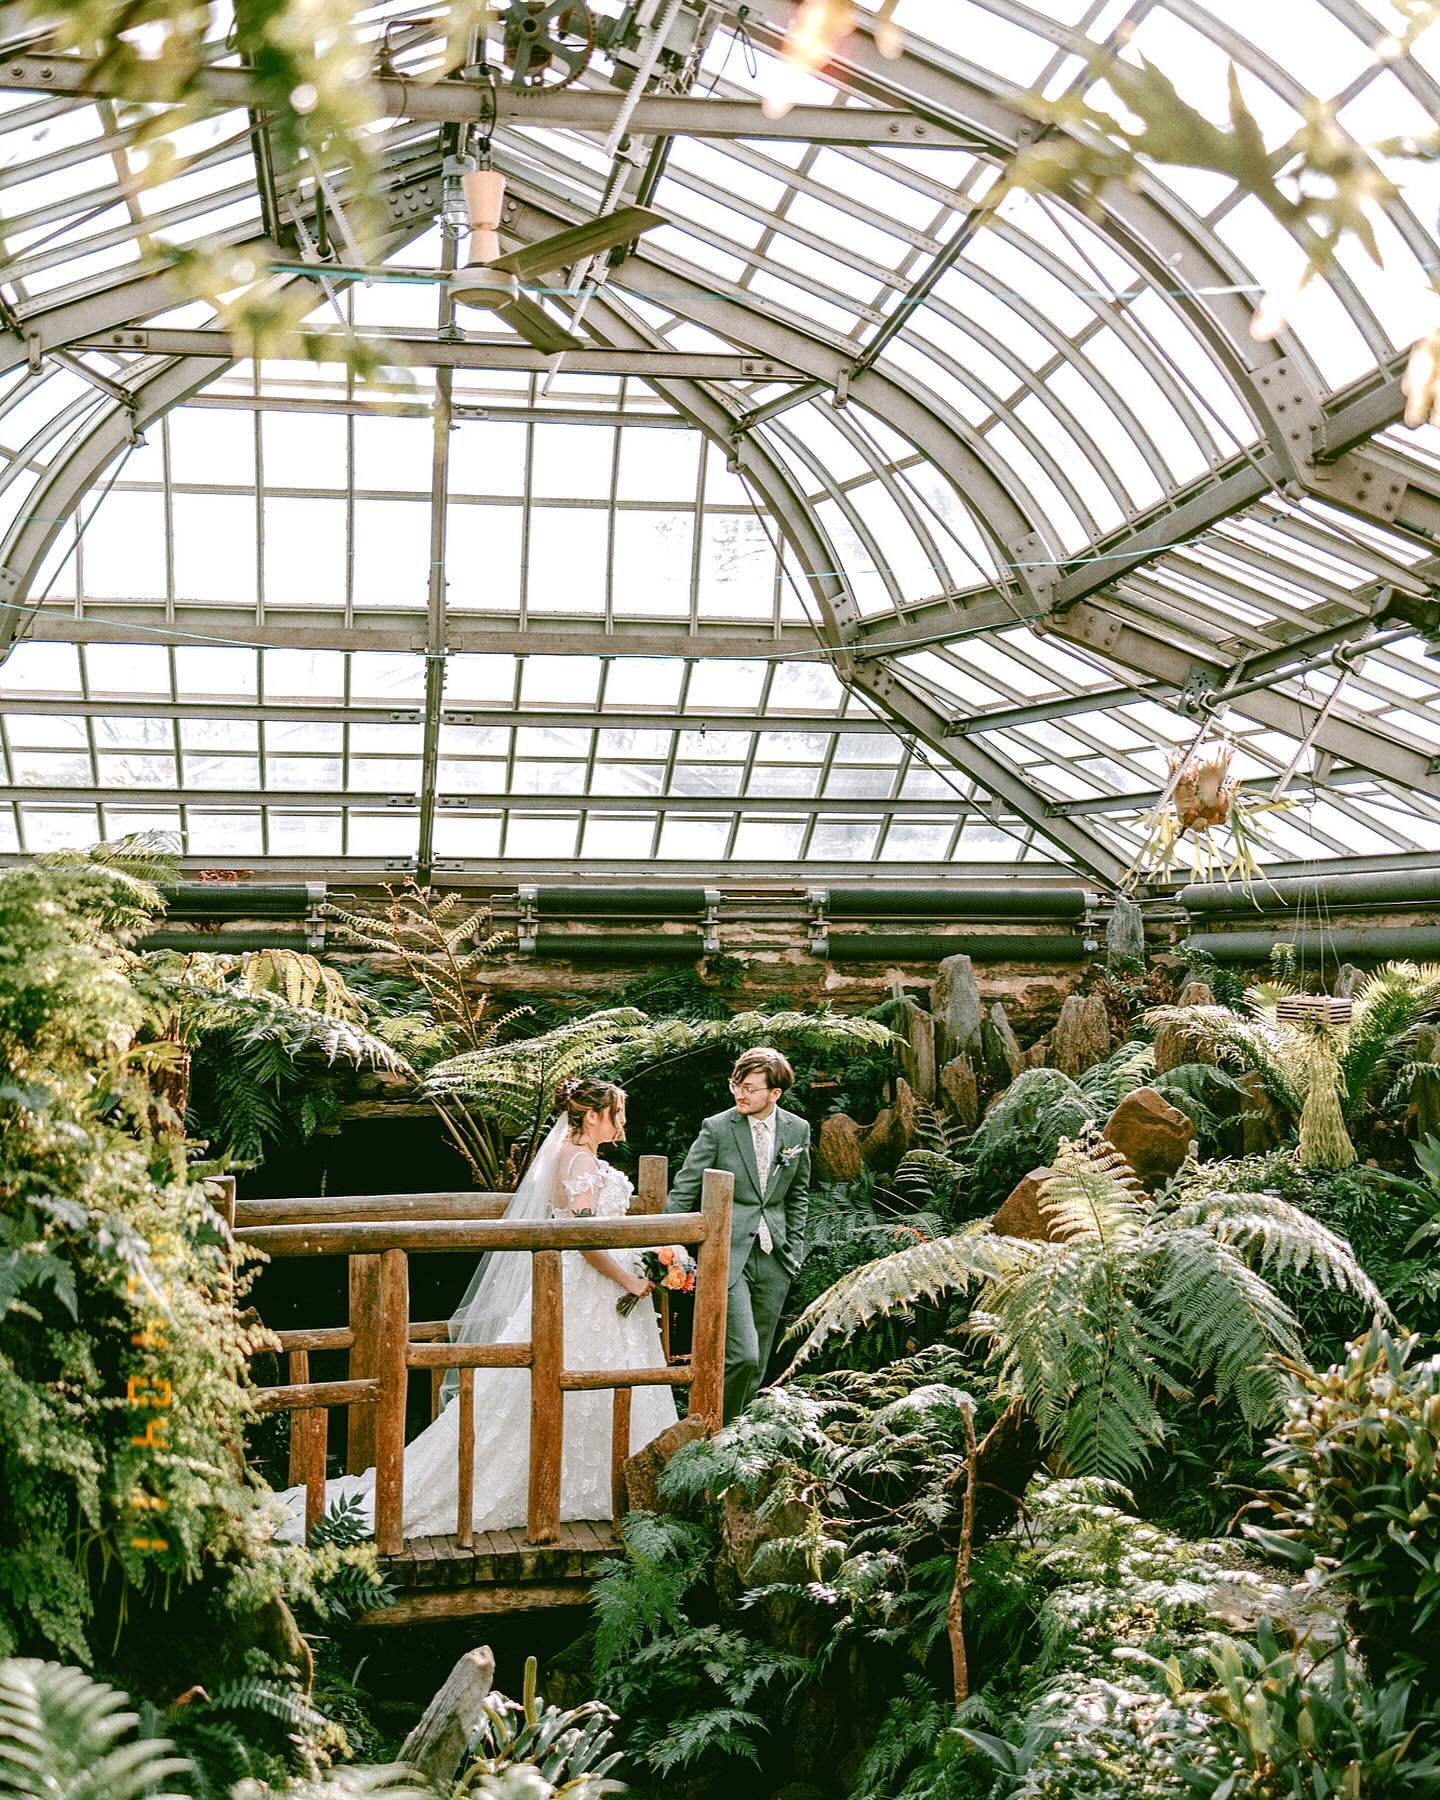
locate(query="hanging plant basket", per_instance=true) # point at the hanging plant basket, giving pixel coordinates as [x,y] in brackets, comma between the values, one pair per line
[1320,1012]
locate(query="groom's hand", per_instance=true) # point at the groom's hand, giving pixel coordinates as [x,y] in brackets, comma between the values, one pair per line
[684,1195]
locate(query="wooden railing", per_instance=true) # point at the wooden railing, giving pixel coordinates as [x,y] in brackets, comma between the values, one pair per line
[379,1234]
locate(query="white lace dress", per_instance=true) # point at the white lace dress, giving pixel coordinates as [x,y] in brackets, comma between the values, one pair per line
[596,1337]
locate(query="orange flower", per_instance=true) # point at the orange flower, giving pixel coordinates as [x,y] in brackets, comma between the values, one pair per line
[675,1279]
[666,1256]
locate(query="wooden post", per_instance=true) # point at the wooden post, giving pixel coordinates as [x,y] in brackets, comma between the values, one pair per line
[390,1422]
[314,1431]
[364,1358]
[650,1198]
[712,1280]
[299,1447]
[654,1185]
[465,1486]
[224,1197]
[620,1451]
[547,1403]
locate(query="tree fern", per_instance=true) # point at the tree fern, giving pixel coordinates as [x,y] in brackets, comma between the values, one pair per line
[958,1264]
[64,1736]
[442,942]
[1384,1008]
[1092,1328]
[514,1083]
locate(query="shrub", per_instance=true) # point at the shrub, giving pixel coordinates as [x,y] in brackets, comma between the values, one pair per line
[1358,1462]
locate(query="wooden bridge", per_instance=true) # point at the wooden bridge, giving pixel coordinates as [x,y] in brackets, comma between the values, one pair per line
[545,1562]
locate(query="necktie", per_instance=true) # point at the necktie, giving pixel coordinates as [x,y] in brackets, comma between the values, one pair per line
[761,1135]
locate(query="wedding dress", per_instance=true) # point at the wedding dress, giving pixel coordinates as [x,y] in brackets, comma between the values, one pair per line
[497,1310]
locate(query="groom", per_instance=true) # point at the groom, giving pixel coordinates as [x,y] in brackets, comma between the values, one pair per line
[767,1150]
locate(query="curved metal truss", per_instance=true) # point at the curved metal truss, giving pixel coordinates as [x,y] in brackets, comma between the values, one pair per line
[855,534]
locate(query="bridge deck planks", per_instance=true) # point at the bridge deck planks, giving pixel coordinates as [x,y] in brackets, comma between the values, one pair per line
[501,1567]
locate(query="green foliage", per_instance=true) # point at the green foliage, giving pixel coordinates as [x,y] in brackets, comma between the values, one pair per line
[683,1690]
[66,1737]
[1282,1723]
[1357,1461]
[1027,1122]
[569,1749]
[513,1084]
[260,1028]
[639,1595]
[117,1274]
[1379,1214]
[1138,1298]
[1367,1061]
[345,1576]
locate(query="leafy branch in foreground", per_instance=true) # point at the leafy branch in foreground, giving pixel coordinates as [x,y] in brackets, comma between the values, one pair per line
[1089,1330]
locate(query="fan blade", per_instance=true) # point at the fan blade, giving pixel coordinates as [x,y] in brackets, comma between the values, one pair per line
[566,247]
[536,326]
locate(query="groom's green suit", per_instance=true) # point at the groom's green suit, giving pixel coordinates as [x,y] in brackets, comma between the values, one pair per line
[758,1281]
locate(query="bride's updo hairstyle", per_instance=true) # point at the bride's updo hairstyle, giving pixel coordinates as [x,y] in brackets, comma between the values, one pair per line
[579,1095]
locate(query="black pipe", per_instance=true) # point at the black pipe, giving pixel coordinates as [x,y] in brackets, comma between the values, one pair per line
[928,946]
[1358,943]
[231,943]
[956,902]
[614,946]
[241,900]
[1390,887]
[588,902]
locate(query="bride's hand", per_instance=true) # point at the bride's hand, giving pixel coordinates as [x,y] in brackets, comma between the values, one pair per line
[638,1286]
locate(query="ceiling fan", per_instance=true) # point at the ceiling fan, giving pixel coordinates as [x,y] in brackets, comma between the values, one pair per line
[490,282]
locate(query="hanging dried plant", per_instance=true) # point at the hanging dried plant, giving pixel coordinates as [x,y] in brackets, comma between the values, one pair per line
[1205,798]
[1324,1141]
[1204,788]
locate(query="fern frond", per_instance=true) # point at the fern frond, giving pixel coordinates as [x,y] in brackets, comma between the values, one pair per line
[1227,1318]
[1093,1192]
[947,1265]
[61,1738]
[1284,1238]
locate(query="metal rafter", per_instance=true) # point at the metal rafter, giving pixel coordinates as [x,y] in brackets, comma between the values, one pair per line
[571,109]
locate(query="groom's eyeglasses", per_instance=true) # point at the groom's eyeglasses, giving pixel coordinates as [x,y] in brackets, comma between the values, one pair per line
[749,1087]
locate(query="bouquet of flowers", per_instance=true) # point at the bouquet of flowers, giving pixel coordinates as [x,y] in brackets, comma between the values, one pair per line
[670,1268]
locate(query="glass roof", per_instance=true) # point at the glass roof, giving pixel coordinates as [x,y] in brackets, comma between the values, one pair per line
[857,533]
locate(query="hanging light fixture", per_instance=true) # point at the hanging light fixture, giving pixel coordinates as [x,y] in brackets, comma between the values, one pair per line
[477,284]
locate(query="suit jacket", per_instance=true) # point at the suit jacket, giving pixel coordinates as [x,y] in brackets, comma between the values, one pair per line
[725,1142]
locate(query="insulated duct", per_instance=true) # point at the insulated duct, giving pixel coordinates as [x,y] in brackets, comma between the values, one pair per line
[1357,943]
[1316,895]
[927,946]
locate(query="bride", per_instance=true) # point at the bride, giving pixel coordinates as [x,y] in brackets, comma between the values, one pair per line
[566,1180]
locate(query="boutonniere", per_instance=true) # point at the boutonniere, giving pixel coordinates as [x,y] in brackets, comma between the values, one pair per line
[789,1155]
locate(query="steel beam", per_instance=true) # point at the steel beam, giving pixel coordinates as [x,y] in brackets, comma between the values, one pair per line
[453,102]
[361,713]
[201,624]
[488,805]
[425,350]
[1130,646]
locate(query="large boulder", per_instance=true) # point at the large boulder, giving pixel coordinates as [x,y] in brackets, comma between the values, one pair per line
[1020,1215]
[838,1147]
[999,1048]
[1178,1044]
[1081,1037]
[955,1002]
[1153,1136]
[644,1469]
[960,1091]
[1125,934]
[916,1032]
[1262,1124]
[894,1132]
